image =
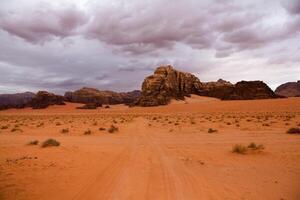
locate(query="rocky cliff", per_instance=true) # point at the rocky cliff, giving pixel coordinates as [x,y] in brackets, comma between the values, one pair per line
[290,89]
[91,95]
[167,83]
[44,99]
[18,100]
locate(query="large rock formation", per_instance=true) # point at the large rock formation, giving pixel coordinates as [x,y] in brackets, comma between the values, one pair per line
[168,83]
[91,95]
[18,100]
[44,99]
[290,89]
[243,90]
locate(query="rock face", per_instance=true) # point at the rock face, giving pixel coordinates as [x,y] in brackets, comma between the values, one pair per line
[290,89]
[44,99]
[243,90]
[91,95]
[18,100]
[168,83]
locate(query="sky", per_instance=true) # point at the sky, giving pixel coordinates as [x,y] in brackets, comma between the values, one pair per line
[63,45]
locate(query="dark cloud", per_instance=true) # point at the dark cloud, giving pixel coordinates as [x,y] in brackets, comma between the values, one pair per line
[64,45]
[43,23]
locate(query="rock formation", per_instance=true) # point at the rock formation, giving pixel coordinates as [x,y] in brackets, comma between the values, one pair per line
[44,99]
[290,89]
[168,83]
[243,90]
[18,100]
[91,95]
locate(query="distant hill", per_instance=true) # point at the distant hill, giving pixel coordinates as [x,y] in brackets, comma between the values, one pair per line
[92,95]
[290,89]
[18,100]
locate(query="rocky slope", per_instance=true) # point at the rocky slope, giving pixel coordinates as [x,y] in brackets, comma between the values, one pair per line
[44,99]
[290,89]
[91,95]
[18,100]
[167,83]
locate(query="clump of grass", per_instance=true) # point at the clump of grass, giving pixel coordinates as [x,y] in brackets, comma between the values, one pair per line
[294,131]
[113,129]
[50,143]
[33,142]
[210,130]
[64,130]
[16,129]
[101,129]
[254,146]
[88,132]
[240,149]
[107,106]
[57,123]
[4,127]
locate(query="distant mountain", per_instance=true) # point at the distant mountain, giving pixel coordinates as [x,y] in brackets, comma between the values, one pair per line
[290,89]
[18,100]
[167,83]
[91,95]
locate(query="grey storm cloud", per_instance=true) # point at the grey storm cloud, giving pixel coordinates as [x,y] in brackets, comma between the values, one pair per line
[64,45]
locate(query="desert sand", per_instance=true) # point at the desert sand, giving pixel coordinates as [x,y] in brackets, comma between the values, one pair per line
[163,152]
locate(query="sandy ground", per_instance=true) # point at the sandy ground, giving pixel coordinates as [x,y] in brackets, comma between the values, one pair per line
[162,152]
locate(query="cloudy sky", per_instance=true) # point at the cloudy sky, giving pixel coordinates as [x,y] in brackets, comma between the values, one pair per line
[113,44]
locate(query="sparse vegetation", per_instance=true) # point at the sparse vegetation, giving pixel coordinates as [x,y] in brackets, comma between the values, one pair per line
[294,131]
[33,142]
[113,129]
[240,149]
[88,132]
[101,129]
[4,127]
[50,142]
[253,147]
[210,130]
[64,130]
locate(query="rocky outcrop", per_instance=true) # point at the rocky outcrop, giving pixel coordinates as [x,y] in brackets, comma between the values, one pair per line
[167,83]
[44,99]
[94,96]
[18,100]
[243,90]
[290,89]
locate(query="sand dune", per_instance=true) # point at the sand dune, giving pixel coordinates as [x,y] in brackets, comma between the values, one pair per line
[161,152]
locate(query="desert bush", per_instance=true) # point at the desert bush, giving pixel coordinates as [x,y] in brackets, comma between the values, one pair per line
[64,130]
[16,129]
[254,146]
[4,127]
[88,132]
[113,129]
[294,131]
[50,142]
[33,142]
[238,148]
[107,106]
[210,130]
[101,129]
